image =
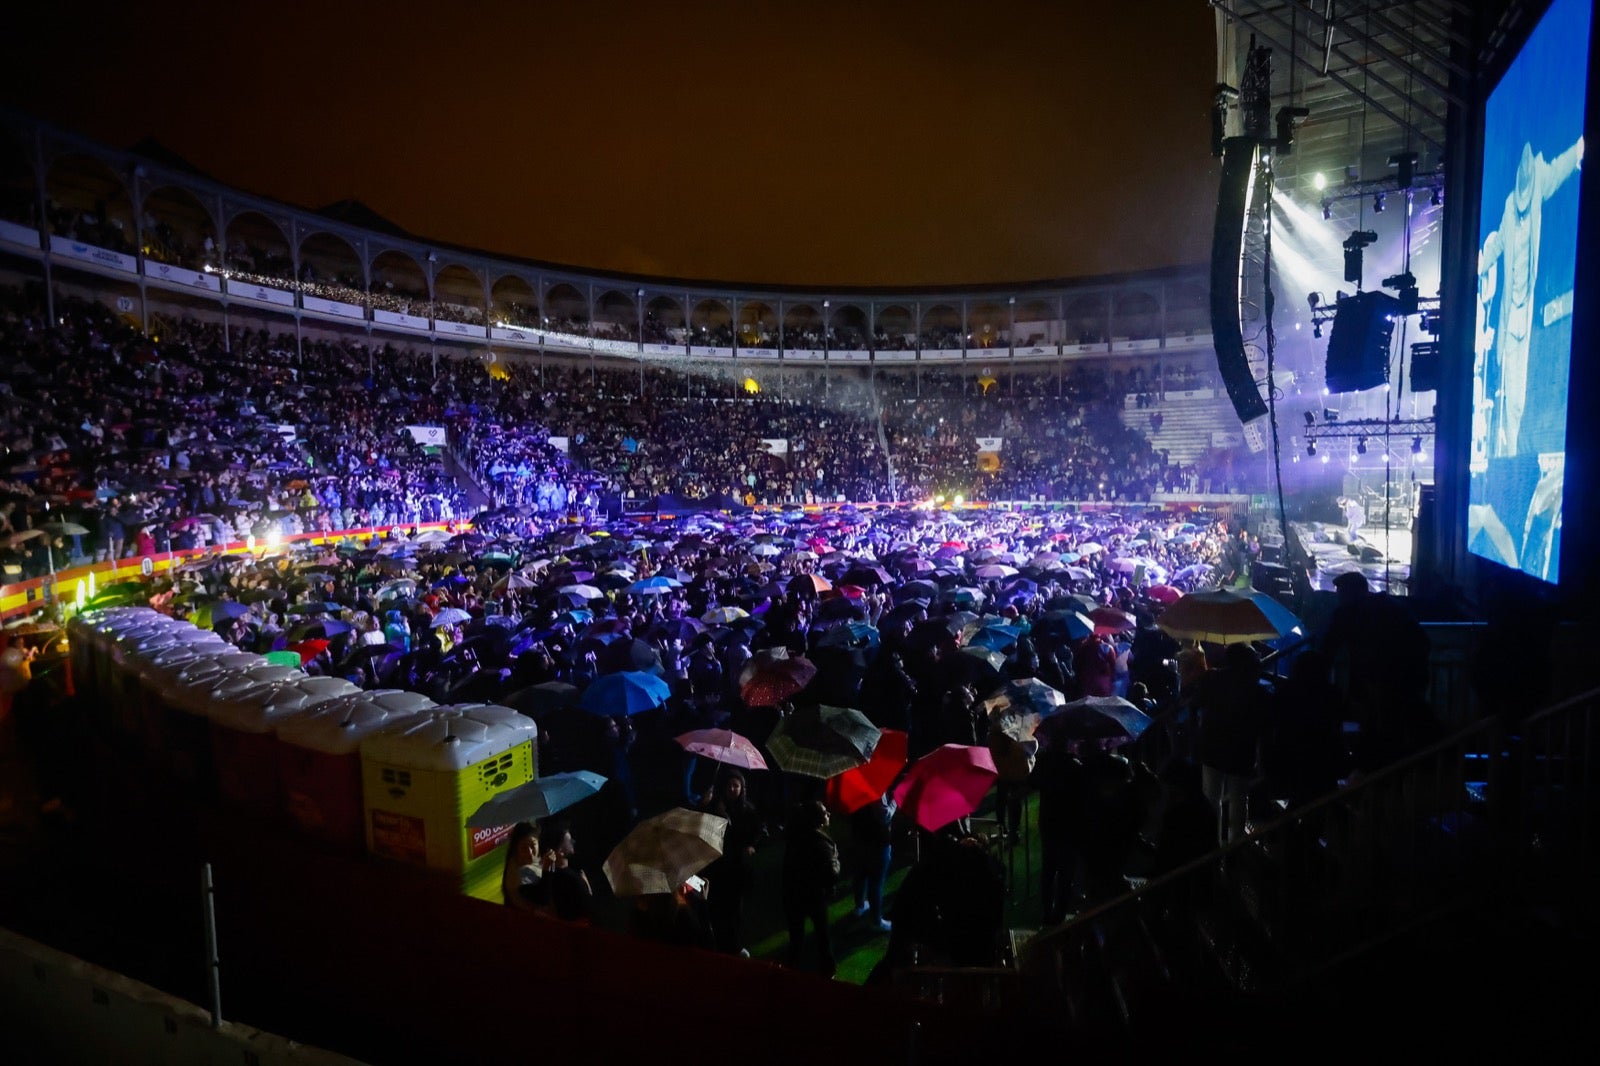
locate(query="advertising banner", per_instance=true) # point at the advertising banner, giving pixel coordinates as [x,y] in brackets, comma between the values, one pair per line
[90,253]
[190,279]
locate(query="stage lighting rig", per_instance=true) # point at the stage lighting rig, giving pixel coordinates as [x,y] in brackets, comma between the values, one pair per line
[1405,164]
[1354,246]
[1406,285]
[1377,203]
[1364,431]
[1285,123]
[1311,420]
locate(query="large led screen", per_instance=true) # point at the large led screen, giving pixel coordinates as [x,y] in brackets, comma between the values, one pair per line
[1527,254]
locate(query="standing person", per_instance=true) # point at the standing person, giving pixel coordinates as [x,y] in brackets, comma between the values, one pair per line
[871,848]
[733,873]
[1353,516]
[1233,716]
[566,886]
[810,869]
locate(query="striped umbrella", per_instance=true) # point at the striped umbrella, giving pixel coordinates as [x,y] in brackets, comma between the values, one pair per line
[663,852]
[823,741]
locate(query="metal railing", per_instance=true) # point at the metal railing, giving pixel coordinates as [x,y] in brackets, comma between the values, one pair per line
[1497,803]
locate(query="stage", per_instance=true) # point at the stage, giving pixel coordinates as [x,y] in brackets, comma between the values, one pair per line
[1382,554]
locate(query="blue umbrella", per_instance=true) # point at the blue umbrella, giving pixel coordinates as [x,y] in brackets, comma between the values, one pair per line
[228,611]
[995,637]
[849,635]
[1282,619]
[537,799]
[627,692]
[654,586]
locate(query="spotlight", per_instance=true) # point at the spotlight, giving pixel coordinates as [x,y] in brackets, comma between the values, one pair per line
[1378,199]
[1330,414]
[1324,458]
[1361,446]
[1311,447]
[1313,299]
[1311,420]
[1320,180]
[1416,445]
[1316,330]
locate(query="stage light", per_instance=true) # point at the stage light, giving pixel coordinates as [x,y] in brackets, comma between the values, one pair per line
[1311,447]
[1320,180]
[1324,458]
[1313,299]
[1311,420]
[1327,210]
[1361,446]
[1316,330]
[1377,203]
[1330,414]
[1416,445]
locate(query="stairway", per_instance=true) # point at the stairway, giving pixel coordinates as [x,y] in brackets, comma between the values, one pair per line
[477,499]
[1186,425]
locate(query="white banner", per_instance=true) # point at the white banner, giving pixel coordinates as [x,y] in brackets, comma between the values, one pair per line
[459,329]
[990,444]
[1084,349]
[561,444]
[1037,351]
[287,432]
[515,334]
[332,307]
[90,253]
[434,435]
[775,445]
[615,347]
[1188,340]
[850,355]
[244,290]
[942,355]
[659,348]
[570,341]
[803,353]
[26,236]
[395,318]
[1151,344]
[758,353]
[191,279]
[895,357]
[701,351]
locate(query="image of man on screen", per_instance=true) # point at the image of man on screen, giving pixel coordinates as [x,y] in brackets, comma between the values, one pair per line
[1508,263]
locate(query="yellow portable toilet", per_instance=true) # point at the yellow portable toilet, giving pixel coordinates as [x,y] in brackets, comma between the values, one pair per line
[423,776]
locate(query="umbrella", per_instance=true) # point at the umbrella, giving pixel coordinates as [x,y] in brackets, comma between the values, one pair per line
[767,682]
[861,785]
[324,627]
[536,799]
[514,583]
[945,784]
[663,852]
[1026,696]
[724,746]
[227,611]
[1013,746]
[64,529]
[1218,617]
[1165,594]
[1109,620]
[587,592]
[995,570]
[1283,620]
[450,616]
[849,635]
[535,700]
[809,584]
[654,586]
[1093,718]
[626,692]
[721,616]
[20,536]
[823,741]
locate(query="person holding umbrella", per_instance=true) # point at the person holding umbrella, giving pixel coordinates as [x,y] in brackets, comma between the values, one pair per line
[732,875]
[810,869]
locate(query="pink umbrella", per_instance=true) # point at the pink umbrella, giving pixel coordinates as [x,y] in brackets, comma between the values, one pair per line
[723,745]
[945,784]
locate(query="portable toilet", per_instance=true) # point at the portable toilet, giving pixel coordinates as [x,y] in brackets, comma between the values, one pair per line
[108,650]
[89,636]
[423,776]
[125,698]
[188,732]
[319,761]
[159,670]
[180,707]
[244,743]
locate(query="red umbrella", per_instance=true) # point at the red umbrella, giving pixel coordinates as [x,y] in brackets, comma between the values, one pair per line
[309,649]
[850,592]
[723,745]
[1108,620]
[776,680]
[854,789]
[945,784]
[1163,593]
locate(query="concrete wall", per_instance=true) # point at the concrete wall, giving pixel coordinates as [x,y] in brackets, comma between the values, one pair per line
[56,1008]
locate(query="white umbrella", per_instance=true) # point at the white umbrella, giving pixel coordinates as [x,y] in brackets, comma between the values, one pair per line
[451,616]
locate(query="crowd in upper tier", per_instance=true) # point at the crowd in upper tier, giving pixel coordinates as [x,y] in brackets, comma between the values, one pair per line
[187,436]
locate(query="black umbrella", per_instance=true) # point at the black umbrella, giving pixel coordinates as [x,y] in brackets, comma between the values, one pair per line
[536,700]
[627,654]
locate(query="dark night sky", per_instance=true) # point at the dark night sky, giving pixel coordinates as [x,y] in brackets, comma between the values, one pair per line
[873,142]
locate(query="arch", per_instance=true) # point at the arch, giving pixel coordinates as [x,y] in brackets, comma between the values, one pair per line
[458,295]
[1136,314]
[664,321]
[988,324]
[895,330]
[802,326]
[513,302]
[616,316]
[399,284]
[1084,319]
[19,193]
[711,323]
[758,325]
[566,309]
[941,328]
[1036,323]
[259,250]
[178,229]
[89,202]
[330,267]
[848,327]
[1188,307]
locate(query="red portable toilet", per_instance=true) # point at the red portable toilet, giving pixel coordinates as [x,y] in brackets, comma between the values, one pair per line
[189,744]
[158,671]
[319,761]
[181,707]
[244,744]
